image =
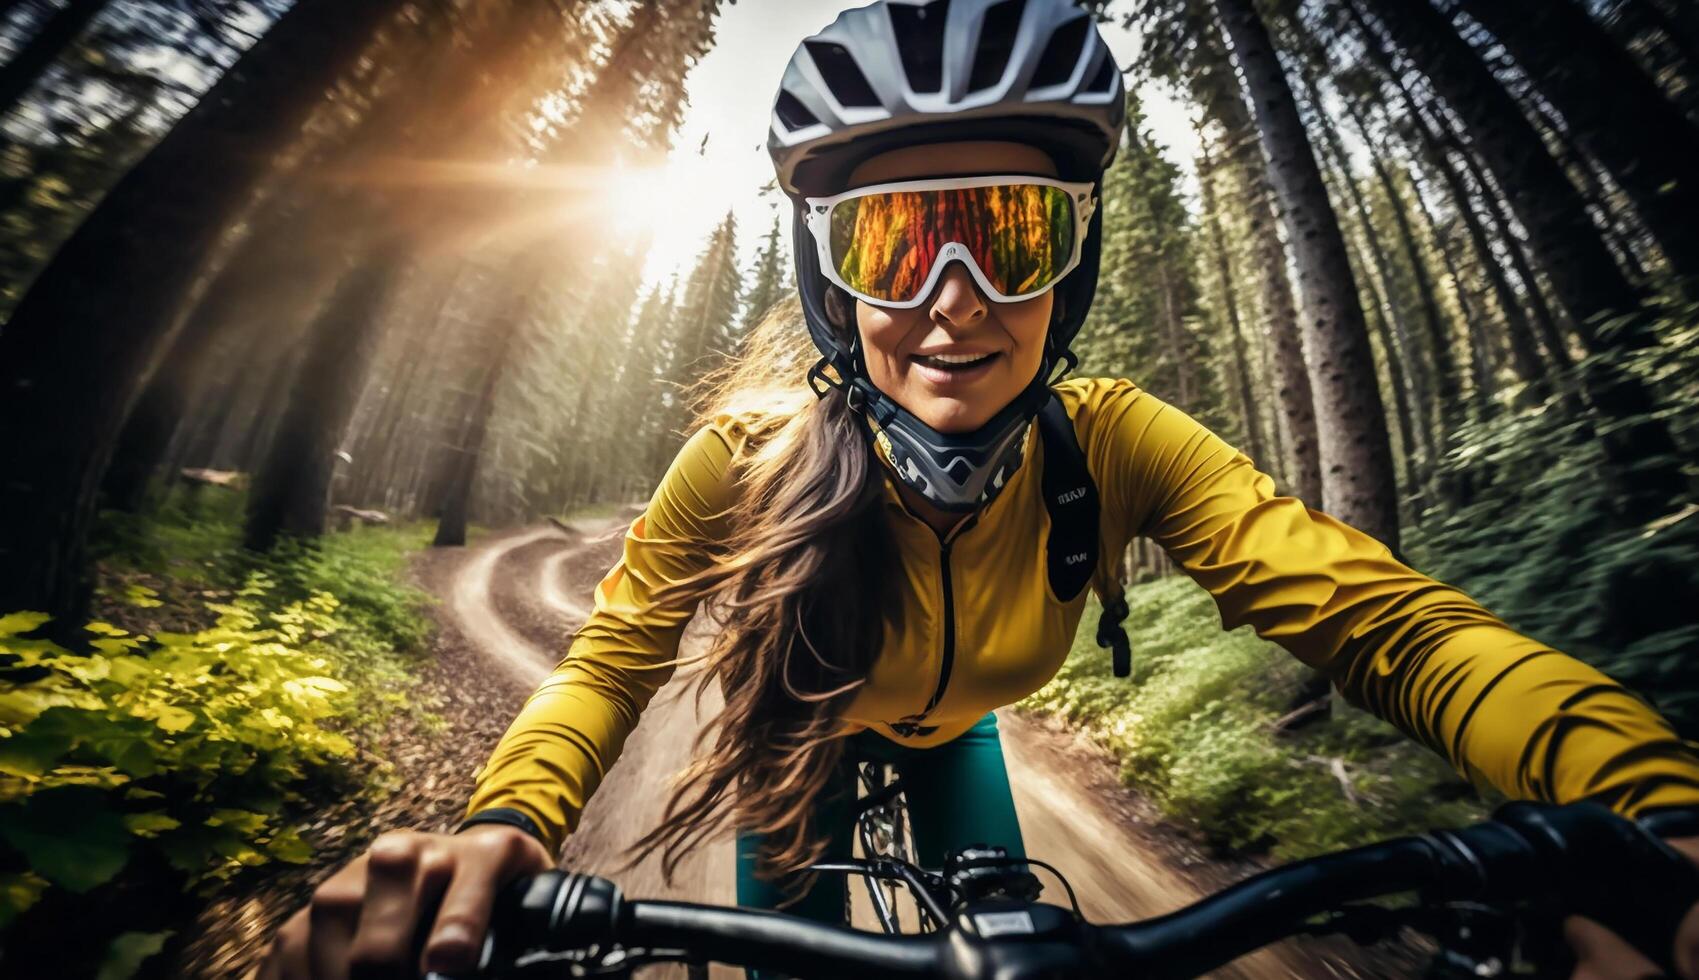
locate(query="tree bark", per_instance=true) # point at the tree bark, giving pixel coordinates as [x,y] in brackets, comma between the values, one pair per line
[238,307]
[1645,142]
[1571,247]
[1447,379]
[1358,485]
[377,450]
[1483,356]
[90,331]
[463,458]
[1524,354]
[1230,307]
[291,489]
[1296,419]
[1411,384]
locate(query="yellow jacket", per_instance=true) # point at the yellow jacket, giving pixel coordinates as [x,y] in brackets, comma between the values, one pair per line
[981,628]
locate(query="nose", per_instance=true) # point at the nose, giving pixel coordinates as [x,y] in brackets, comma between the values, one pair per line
[958,301]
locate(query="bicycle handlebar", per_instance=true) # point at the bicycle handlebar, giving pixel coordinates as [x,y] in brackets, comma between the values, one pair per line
[1548,860]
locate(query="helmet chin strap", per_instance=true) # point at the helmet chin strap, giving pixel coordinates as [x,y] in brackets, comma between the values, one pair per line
[954,471]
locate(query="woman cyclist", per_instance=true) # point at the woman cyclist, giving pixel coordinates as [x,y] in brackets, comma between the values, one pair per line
[890,555]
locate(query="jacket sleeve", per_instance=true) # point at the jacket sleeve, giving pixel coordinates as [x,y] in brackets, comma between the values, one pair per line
[1503,709]
[571,730]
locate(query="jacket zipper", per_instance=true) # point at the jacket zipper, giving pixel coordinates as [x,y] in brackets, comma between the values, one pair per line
[949,657]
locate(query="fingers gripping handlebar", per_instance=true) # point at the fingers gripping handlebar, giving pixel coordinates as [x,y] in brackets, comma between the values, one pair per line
[1576,860]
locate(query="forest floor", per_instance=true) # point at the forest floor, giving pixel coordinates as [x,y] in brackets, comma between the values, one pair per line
[510,601]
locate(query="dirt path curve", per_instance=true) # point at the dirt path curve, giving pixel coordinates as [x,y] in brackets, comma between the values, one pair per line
[516,597]
[510,604]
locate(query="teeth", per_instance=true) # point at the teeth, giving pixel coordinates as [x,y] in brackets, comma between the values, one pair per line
[954,359]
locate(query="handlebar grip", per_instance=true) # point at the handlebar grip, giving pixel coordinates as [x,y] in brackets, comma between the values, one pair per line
[555,910]
[1591,862]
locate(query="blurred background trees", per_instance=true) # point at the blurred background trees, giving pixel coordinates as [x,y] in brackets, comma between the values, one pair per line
[1431,265]
[358,253]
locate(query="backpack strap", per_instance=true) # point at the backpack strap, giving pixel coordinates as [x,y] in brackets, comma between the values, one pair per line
[1070,495]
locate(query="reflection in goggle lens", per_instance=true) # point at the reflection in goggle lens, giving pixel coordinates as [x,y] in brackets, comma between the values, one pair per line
[1021,235]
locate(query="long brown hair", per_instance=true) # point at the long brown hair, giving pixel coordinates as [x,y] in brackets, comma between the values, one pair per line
[794,590]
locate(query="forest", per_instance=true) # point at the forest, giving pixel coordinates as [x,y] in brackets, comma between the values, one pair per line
[298,293]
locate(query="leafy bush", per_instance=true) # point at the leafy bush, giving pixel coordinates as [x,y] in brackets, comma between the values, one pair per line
[192,542]
[188,744]
[1193,730]
[1542,542]
[219,700]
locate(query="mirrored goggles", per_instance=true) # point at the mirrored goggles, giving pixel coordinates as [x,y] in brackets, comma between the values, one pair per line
[887,244]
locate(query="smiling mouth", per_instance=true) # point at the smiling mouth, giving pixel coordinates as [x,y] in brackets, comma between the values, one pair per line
[953,362]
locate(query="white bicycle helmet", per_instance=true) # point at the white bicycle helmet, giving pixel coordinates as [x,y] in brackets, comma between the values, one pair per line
[904,72]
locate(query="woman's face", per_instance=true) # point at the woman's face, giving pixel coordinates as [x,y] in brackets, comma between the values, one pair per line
[908,351]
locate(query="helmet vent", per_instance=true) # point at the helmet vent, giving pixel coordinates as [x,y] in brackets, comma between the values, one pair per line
[838,69]
[1104,80]
[1060,56]
[793,113]
[996,40]
[920,42]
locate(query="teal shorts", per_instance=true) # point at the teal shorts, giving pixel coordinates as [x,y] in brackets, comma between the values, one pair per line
[958,795]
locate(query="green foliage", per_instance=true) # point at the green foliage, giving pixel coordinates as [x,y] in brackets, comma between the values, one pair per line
[127,953]
[186,744]
[1193,729]
[192,541]
[191,736]
[1146,321]
[1540,540]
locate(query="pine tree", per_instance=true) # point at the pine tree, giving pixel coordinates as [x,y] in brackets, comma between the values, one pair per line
[144,244]
[1358,483]
[707,326]
[770,282]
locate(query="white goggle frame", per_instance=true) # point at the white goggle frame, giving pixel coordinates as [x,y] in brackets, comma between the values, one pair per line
[820,227]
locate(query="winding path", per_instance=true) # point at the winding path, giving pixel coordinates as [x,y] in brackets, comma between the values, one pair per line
[514,597]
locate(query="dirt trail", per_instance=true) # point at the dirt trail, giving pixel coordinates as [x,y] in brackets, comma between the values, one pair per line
[516,597]
[511,603]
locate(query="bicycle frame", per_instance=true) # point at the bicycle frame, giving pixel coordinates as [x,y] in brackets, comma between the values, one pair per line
[881,821]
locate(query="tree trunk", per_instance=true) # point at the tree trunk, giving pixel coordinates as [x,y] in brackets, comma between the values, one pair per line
[1645,142]
[228,306]
[1395,349]
[1545,320]
[61,29]
[1447,379]
[1230,306]
[1525,357]
[1358,485]
[291,489]
[1300,452]
[1583,274]
[1410,384]
[1484,359]
[463,459]
[1677,71]
[90,331]
[378,446]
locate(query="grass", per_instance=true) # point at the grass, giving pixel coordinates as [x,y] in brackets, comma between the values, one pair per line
[1193,730]
[188,550]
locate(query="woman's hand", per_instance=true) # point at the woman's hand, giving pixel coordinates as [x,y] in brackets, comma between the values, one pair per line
[368,918]
[1601,955]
